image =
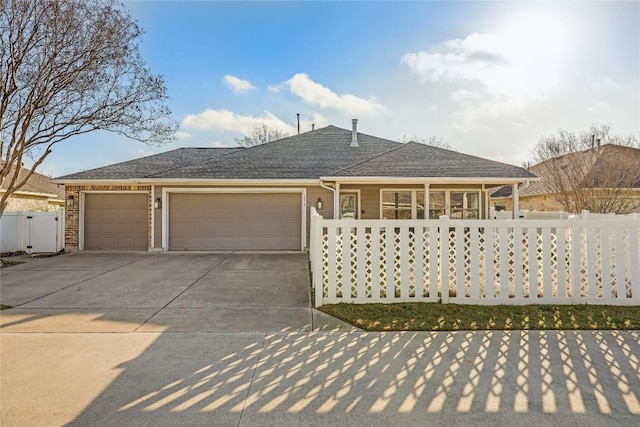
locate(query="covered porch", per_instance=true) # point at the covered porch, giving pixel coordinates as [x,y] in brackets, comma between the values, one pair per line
[410,198]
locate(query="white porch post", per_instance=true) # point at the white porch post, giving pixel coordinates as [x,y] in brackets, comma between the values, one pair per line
[336,202]
[516,200]
[484,203]
[426,201]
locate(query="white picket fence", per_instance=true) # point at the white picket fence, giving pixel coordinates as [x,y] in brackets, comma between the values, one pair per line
[573,261]
[32,232]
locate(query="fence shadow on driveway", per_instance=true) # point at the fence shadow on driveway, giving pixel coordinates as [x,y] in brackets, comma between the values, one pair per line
[510,377]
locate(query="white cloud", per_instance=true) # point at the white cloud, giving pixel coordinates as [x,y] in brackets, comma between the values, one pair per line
[315,94]
[317,120]
[499,73]
[183,135]
[525,56]
[238,85]
[463,95]
[146,152]
[229,121]
[610,83]
[600,107]
[218,144]
[274,88]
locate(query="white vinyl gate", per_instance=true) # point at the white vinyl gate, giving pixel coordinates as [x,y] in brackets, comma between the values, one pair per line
[32,232]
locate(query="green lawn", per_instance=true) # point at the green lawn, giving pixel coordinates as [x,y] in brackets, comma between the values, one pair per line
[4,307]
[418,316]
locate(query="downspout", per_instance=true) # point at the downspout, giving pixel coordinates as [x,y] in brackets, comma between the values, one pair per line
[333,190]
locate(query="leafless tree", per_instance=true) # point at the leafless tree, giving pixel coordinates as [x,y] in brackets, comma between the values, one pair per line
[70,67]
[434,141]
[260,135]
[591,170]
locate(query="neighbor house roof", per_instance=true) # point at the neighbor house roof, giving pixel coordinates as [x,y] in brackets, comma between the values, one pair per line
[322,153]
[37,184]
[605,156]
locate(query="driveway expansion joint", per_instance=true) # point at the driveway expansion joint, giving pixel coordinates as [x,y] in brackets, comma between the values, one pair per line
[183,291]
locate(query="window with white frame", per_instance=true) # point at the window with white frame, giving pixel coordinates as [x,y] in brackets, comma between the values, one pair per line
[456,204]
[465,205]
[402,204]
[437,204]
[410,204]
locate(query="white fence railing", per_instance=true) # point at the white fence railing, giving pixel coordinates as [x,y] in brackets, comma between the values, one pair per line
[32,232]
[569,261]
[525,214]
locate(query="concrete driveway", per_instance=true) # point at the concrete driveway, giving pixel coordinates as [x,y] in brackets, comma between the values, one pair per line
[162,292]
[230,340]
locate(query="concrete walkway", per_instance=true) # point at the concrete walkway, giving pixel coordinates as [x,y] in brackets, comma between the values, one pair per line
[79,357]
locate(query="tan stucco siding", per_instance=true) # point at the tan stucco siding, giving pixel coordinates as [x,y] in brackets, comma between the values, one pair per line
[18,202]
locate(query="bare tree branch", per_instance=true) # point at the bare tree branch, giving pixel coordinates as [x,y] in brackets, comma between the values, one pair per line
[592,170]
[70,67]
[260,135]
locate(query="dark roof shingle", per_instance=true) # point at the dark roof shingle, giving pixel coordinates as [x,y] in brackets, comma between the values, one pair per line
[306,156]
[324,152]
[147,166]
[419,160]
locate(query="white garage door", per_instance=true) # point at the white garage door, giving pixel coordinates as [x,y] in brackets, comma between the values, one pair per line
[116,221]
[239,222]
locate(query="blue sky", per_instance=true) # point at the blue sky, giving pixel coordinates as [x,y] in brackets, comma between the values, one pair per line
[488,77]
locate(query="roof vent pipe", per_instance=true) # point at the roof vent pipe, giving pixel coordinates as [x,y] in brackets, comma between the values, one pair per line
[313,126]
[354,133]
[298,115]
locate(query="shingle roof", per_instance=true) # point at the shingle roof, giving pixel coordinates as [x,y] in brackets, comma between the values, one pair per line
[306,156]
[37,183]
[147,166]
[323,152]
[418,160]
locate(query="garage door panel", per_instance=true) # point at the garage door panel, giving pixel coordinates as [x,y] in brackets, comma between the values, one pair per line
[227,221]
[115,221]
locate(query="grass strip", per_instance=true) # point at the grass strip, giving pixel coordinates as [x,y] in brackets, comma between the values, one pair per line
[416,316]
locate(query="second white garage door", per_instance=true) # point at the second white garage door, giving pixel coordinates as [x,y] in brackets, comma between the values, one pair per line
[239,222]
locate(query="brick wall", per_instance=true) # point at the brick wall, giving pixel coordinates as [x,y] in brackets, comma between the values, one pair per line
[72,213]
